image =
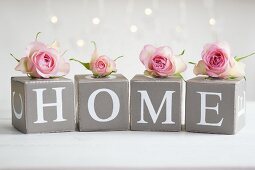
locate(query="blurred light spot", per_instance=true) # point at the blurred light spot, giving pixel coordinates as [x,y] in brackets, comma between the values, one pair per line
[96,21]
[80,43]
[54,19]
[147,11]
[212,21]
[178,28]
[133,28]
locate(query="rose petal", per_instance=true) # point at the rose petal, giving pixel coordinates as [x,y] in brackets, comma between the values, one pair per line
[55,45]
[167,53]
[180,65]
[37,73]
[225,46]
[100,71]
[213,74]
[95,54]
[161,74]
[146,53]
[64,67]
[35,46]
[22,66]
[238,70]
[164,51]
[31,69]
[38,62]
[112,66]
[200,68]
[217,59]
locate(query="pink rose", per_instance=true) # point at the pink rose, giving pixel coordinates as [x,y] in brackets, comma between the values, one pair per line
[102,66]
[161,62]
[42,62]
[217,62]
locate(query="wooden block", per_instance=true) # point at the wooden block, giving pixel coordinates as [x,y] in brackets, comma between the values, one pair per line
[214,105]
[42,105]
[155,103]
[103,103]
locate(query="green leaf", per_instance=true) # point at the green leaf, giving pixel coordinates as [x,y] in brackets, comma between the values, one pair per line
[32,77]
[232,77]
[244,57]
[100,76]
[37,35]
[146,73]
[118,58]
[14,57]
[183,51]
[86,65]
[96,76]
[192,63]
[55,77]
[179,75]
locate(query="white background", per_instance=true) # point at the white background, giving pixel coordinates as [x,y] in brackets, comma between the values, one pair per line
[181,24]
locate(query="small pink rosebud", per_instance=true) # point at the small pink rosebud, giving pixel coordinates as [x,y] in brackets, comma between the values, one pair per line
[102,66]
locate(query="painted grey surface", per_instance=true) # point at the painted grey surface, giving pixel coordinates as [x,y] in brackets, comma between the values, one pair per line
[86,85]
[25,87]
[227,106]
[240,107]
[156,88]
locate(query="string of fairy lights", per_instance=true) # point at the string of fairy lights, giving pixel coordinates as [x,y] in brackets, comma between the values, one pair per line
[148,12]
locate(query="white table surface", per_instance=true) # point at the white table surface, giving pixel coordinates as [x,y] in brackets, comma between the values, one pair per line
[127,150]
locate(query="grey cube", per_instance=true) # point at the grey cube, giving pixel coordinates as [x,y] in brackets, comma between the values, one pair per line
[102,103]
[42,105]
[156,103]
[215,105]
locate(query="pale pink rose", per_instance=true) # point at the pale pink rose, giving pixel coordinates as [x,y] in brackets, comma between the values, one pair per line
[161,62]
[42,62]
[217,62]
[102,66]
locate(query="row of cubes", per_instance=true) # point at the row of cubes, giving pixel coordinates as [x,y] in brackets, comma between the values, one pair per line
[103,104]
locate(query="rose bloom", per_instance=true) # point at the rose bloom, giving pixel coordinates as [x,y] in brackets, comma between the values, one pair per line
[161,62]
[217,62]
[102,66]
[42,62]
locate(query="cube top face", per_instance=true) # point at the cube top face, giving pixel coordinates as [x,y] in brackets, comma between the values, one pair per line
[143,78]
[202,79]
[89,78]
[155,103]
[25,79]
[214,106]
[40,105]
[103,103]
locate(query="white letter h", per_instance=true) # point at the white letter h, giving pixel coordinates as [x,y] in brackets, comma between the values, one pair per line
[41,105]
